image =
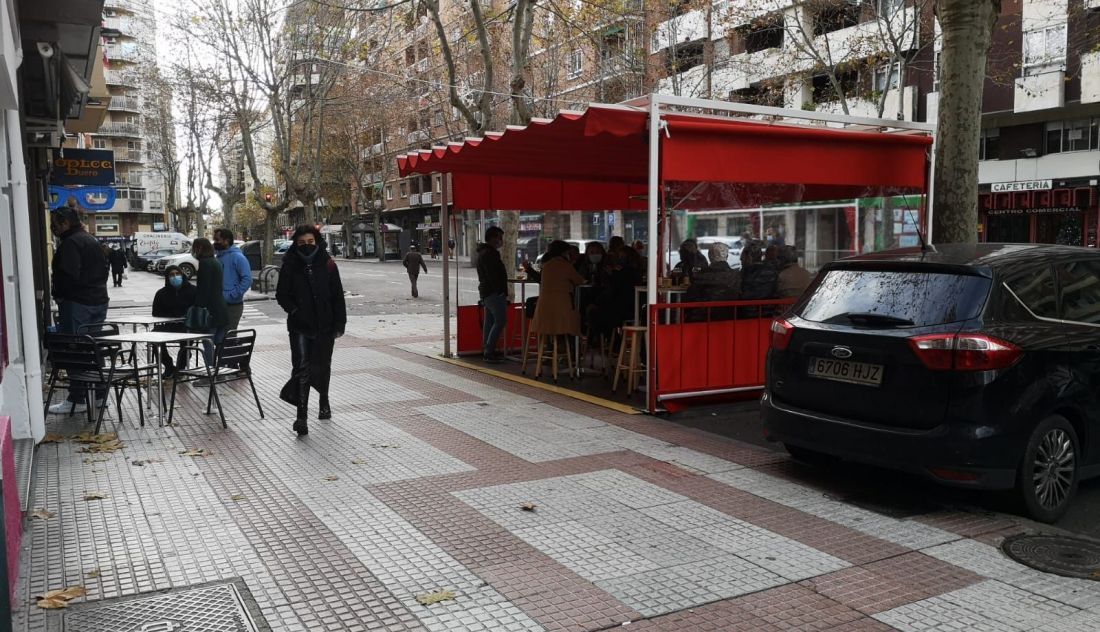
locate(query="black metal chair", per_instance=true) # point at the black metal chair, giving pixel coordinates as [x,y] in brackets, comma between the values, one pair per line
[232,362]
[86,364]
[132,372]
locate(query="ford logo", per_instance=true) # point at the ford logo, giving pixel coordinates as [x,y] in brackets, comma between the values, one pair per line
[842,353]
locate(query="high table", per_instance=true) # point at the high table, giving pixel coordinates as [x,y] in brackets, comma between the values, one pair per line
[156,339]
[140,320]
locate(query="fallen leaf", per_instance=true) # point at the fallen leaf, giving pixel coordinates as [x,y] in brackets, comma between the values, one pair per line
[42,514]
[94,496]
[94,447]
[331,477]
[92,574]
[98,459]
[90,437]
[60,598]
[196,452]
[384,445]
[53,438]
[528,506]
[138,463]
[237,497]
[435,597]
[359,461]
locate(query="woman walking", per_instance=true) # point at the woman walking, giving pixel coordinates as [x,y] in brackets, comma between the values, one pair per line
[310,292]
[208,295]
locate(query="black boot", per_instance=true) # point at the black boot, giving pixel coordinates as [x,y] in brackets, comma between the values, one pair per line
[324,412]
[300,425]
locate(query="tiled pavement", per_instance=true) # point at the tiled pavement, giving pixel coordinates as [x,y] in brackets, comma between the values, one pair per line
[418,485]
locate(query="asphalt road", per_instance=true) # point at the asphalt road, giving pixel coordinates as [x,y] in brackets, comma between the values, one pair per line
[383,289]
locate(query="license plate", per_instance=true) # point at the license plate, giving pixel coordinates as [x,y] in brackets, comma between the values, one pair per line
[846,371]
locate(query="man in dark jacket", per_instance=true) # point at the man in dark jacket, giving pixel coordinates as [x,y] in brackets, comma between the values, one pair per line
[413,262]
[759,280]
[492,285]
[691,260]
[78,284]
[717,282]
[118,265]
[172,301]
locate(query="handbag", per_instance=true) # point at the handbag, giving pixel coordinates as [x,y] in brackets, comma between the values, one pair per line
[197,318]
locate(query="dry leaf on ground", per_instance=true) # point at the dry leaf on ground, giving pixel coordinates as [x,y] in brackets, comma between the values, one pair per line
[358,461]
[91,437]
[92,574]
[331,477]
[97,459]
[528,506]
[196,452]
[53,437]
[435,597]
[60,598]
[237,497]
[94,496]
[42,514]
[101,446]
[384,445]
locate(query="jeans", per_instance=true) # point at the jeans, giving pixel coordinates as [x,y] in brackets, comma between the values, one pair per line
[496,314]
[413,276]
[71,317]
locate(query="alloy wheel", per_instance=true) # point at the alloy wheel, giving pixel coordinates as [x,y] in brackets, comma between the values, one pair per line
[1053,469]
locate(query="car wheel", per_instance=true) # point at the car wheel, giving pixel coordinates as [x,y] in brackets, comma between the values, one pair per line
[810,457]
[1047,480]
[188,270]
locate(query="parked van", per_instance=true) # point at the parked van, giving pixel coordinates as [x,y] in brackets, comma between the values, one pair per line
[146,242]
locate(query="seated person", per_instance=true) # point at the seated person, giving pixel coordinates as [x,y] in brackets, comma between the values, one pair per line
[172,301]
[717,282]
[759,280]
[615,304]
[555,314]
[691,260]
[593,265]
[793,278]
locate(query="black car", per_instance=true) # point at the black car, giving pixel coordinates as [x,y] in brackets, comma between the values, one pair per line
[975,365]
[142,260]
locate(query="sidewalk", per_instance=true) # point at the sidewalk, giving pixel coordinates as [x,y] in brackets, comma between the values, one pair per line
[510,508]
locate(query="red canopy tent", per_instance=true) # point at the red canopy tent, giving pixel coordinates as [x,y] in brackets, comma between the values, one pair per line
[620,157]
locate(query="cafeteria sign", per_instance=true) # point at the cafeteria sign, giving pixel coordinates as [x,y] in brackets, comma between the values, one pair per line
[84,166]
[1025,185]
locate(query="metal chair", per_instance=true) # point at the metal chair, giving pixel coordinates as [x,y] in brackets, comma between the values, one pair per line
[86,364]
[232,362]
[134,373]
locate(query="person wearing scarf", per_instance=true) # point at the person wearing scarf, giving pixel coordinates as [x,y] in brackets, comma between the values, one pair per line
[311,294]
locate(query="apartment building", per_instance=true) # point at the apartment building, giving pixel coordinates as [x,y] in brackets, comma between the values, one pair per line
[131,55]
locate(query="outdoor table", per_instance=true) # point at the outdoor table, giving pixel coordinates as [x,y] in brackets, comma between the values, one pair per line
[522,283]
[155,339]
[144,321]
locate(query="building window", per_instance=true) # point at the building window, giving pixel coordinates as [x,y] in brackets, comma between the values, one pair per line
[1045,50]
[837,16]
[389,192]
[825,92]
[936,71]
[404,189]
[764,35]
[1078,135]
[886,8]
[99,143]
[576,63]
[886,77]
[686,57]
[989,145]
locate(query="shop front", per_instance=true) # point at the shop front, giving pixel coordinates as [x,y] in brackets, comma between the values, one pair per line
[1039,212]
[362,241]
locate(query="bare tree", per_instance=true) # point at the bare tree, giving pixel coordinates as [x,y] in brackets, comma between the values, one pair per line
[161,124]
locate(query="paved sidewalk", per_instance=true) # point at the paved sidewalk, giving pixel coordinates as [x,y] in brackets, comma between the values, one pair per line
[417,487]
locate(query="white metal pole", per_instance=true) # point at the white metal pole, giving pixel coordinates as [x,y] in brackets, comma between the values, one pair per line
[445,219]
[929,193]
[654,194]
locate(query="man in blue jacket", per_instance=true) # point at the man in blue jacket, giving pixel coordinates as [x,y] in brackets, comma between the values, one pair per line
[237,277]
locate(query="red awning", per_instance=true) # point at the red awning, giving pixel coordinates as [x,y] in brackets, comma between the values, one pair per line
[598,160]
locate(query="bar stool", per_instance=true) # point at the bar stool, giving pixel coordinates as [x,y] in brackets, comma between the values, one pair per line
[543,354]
[629,359]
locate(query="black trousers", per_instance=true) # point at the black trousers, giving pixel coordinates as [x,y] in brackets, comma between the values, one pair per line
[116,276]
[312,366]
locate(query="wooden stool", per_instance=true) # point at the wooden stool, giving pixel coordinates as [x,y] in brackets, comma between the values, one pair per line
[543,354]
[531,337]
[629,359]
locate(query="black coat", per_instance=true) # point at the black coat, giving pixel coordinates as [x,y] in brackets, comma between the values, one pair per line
[170,302]
[117,260]
[492,276]
[759,281]
[79,269]
[311,294]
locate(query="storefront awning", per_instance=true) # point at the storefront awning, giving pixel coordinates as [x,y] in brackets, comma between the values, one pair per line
[597,160]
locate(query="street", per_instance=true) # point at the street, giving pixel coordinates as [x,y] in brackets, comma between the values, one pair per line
[442,498]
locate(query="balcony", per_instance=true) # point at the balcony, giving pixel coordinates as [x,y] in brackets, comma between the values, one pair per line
[126,180]
[373,150]
[682,29]
[418,137]
[1090,75]
[124,104]
[122,24]
[426,198]
[133,6]
[618,64]
[128,53]
[1042,91]
[122,78]
[119,129]
[129,155]
[414,199]
[137,205]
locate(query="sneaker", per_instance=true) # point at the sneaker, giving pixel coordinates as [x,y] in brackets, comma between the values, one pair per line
[64,408]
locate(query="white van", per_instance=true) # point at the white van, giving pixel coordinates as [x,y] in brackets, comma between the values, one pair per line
[146,242]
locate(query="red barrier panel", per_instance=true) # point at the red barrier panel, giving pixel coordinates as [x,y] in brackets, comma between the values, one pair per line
[709,357]
[469,329]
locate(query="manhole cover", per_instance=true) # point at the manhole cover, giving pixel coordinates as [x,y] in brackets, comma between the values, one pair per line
[1061,555]
[217,608]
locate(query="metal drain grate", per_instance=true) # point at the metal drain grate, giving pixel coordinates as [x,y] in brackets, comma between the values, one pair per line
[1061,555]
[210,609]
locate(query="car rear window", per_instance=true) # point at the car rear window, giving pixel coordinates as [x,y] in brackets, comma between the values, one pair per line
[917,299]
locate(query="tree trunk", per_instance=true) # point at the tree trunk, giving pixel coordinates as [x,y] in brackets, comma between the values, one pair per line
[967,33]
[269,240]
[379,239]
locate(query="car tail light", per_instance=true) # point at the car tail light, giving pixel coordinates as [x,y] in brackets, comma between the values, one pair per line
[964,352]
[781,334]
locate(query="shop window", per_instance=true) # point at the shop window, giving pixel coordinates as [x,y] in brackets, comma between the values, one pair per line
[1080,283]
[989,145]
[1045,50]
[837,16]
[1077,135]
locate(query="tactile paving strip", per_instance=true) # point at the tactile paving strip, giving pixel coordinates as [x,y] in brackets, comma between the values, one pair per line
[210,609]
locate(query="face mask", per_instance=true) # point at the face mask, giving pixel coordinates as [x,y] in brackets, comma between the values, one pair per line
[595,258]
[307,249]
[175,281]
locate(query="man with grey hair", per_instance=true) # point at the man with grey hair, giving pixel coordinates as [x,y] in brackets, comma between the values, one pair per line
[716,282]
